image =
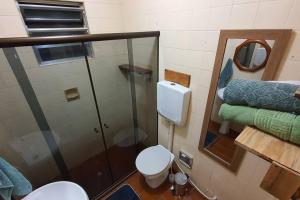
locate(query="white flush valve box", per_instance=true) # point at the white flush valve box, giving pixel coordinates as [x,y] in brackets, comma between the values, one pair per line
[173,101]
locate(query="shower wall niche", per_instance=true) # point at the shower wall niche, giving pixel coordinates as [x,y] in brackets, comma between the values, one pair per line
[83,120]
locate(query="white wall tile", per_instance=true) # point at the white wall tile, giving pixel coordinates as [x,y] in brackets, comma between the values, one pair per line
[168,21]
[185,20]
[208,60]
[201,17]
[8,79]
[244,1]
[219,17]
[193,59]
[221,3]
[102,25]
[253,190]
[102,10]
[290,71]
[8,8]
[273,14]
[294,52]
[211,41]
[12,26]
[196,40]
[243,15]
[293,19]
[200,4]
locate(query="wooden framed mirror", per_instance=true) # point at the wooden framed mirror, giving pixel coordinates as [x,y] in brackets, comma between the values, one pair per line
[252,55]
[217,136]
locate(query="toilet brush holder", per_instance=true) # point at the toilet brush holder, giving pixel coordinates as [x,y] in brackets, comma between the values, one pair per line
[181,181]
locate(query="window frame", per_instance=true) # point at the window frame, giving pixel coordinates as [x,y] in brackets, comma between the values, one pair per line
[56,4]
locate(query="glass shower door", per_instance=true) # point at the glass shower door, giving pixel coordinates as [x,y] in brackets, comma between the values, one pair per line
[124,74]
[83,120]
[145,58]
[21,141]
[110,74]
[66,99]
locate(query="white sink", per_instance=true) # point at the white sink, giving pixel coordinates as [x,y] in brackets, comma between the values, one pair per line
[62,190]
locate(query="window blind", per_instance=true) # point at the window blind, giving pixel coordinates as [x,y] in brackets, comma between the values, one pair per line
[55,19]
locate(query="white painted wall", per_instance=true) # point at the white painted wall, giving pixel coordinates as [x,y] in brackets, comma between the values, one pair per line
[189,37]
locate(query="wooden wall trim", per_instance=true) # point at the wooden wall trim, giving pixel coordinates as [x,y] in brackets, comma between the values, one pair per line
[178,77]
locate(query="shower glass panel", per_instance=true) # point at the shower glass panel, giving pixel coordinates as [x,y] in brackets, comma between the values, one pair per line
[109,69]
[145,62]
[84,120]
[21,142]
[65,95]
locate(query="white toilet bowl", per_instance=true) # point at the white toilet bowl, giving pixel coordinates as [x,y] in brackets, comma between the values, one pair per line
[154,163]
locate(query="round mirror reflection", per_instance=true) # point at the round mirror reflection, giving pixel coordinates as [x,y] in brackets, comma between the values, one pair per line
[252,55]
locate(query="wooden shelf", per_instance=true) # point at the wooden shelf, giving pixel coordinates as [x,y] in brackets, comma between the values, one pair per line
[283,177]
[270,148]
[135,69]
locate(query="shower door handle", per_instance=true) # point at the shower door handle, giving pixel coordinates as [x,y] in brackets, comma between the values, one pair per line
[96,130]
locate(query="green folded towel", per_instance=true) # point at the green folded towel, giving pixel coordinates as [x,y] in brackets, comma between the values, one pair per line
[262,94]
[295,134]
[280,124]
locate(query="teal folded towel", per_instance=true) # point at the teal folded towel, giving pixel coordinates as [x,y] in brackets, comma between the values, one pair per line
[6,186]
[21,186]
[226,74]
[262,94]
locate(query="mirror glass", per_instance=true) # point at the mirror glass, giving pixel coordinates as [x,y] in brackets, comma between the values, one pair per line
[220,135]
[252,55]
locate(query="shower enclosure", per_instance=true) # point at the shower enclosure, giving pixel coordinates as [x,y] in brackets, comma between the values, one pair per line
[84,119]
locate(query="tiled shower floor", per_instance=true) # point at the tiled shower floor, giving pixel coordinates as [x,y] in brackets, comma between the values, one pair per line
[94,175]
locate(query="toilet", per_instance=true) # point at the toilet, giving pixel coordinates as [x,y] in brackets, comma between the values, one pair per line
[172,103]
[154,163]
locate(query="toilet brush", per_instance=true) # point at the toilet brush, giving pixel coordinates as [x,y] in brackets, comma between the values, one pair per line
[172,179]
[170,147]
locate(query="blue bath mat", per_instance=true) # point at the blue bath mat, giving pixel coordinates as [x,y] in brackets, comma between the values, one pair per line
[124,193]
[210,138]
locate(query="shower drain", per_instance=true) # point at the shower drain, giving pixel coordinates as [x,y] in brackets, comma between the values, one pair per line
[99,173]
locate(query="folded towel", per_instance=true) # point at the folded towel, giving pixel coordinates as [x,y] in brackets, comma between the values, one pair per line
[239,114]
[262,94]
[280,124]
[295,134]
[226,74]
[21,186]
[220,93]
[6,186]
[288,82]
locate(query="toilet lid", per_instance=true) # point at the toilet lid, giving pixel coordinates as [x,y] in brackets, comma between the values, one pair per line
[153,160]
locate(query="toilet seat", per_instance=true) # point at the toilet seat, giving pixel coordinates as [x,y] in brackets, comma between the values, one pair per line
[153,160]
